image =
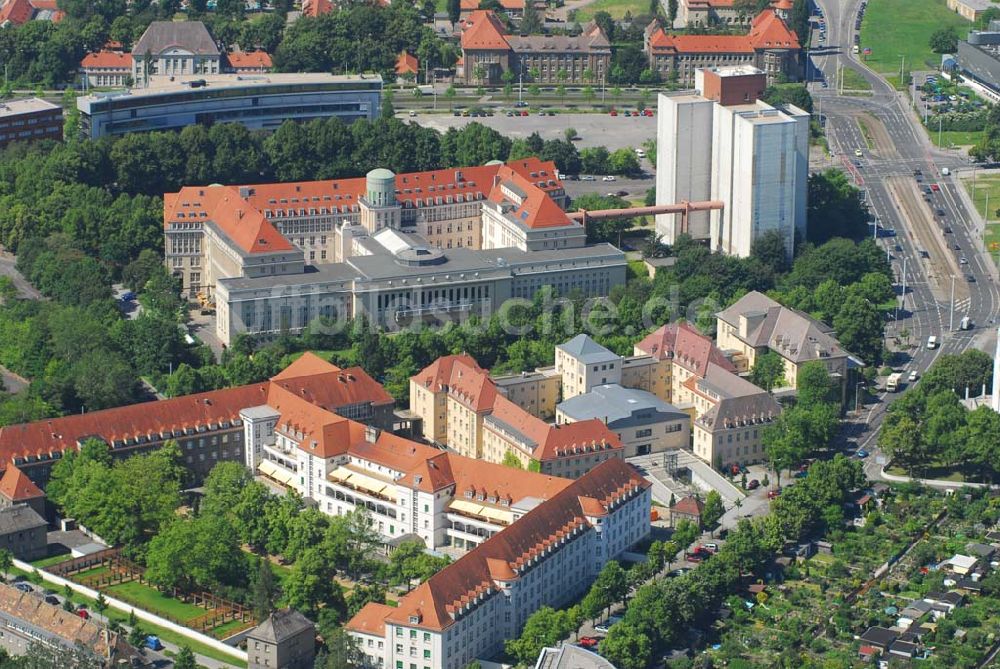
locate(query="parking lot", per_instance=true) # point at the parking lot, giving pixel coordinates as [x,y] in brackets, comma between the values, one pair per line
[612,132]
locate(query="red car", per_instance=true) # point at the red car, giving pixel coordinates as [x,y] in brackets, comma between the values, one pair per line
[648,112]
[83,613]
[589,641]
[771,494]
[614,113]
[935,188]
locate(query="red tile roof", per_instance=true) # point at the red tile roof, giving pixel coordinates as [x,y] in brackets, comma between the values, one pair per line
[415,189]
[407,64]
[107,60]
[316,7]
[536,210]
[438,374]
[484,31]
[687,347]
[328,386]
[555,441]
[16,12]
[222,205]
[509,5]
[768,31]
[47,437]
[501,481]
[250,61]
[370,619]
[437,602]
[691,506]
[17,487]
[316,430]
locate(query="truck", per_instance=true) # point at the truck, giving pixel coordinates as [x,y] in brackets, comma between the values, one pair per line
[894,382]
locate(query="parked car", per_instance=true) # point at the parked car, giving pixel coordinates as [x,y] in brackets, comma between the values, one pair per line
[589,641]
[935,188]
[753,484]
[613,112]
[412,113]
[609,177]
[970,278]
[83,613]
[711,547]
[947,230]
[607,624]
[861,454]
[587,177]
[128,296]
[773,494]
[520,103]
[53,600]
[24,587]
[963,261]
[153,643]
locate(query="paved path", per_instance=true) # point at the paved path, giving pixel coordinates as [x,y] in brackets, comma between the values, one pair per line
[8,269]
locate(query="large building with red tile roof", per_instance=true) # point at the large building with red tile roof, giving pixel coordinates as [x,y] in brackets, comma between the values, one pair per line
[769,45]
[488,51]
[207,426]
[392,248]
[722,13]
[17,488]
[547,557]
[462,407]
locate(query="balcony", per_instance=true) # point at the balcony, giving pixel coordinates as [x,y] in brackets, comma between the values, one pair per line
[364,484]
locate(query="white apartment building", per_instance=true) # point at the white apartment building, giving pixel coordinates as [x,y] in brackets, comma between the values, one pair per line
[516,215]
[548,557]
[759,160]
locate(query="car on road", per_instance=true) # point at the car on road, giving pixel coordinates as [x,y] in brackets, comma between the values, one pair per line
[932,342]
[963,261]
[935,188]
[640,153]
[621,193]
[609,177]
[913,375]
[947,230]
[861,454]
[927,190]
[753,484]
[858,153]
[774,494]
[588,641]
[939,212]
[693,557]
[956,247]
[970,278]
[607,624]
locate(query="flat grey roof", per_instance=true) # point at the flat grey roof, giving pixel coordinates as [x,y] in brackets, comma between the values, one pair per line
[613,403]
[24,106]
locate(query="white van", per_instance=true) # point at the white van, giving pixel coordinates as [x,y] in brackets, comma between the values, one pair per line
[932,341]
[945,171]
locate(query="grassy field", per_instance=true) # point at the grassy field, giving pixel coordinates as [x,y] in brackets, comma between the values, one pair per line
[951,138]
[51,560]
[852,81]
[154,601]
[988,186]
[895,29]
[617,9]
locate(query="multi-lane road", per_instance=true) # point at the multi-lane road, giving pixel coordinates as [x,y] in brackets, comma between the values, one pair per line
[893,147]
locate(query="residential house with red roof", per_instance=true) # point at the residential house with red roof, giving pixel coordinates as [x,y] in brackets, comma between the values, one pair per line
[548,556]
[16,488]
[19,12]
[769,45]
[512,8]
[106,69]
[488,51]
[407,66]
[247,62]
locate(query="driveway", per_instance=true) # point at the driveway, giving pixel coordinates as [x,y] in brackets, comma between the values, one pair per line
[8,268]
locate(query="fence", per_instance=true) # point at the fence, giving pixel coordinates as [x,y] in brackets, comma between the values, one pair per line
[141,614]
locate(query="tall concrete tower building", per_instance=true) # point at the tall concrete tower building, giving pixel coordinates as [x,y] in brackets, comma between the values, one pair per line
[757,159]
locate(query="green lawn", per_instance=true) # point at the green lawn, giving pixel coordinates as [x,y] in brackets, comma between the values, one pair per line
[987,186]
[949,138]
[617,9]
[154,601]
[51,560]
[896,29]
[853,81]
